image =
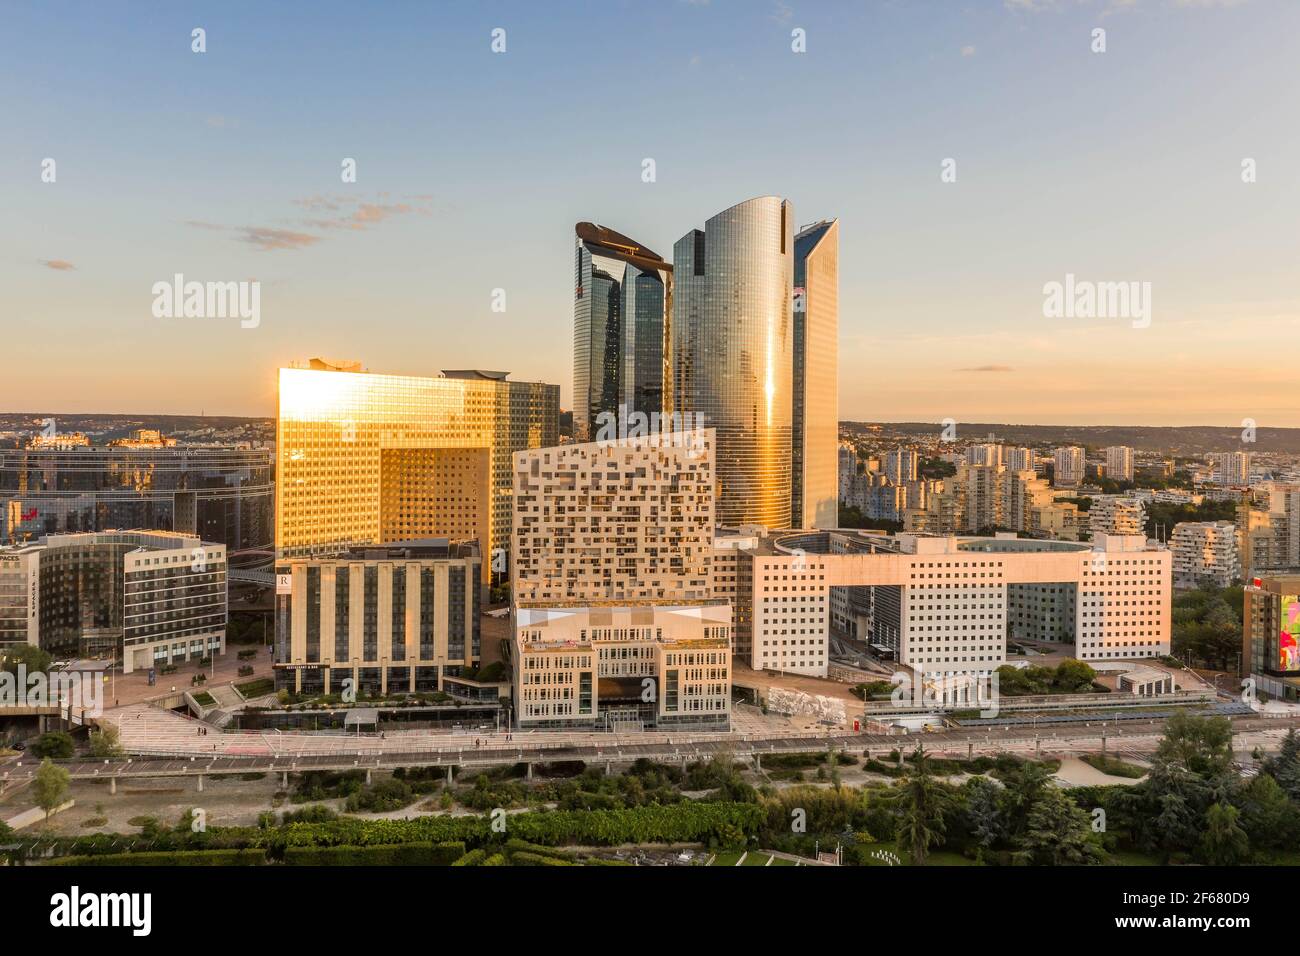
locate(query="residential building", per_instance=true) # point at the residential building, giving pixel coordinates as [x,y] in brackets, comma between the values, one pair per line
[1069,467]
[1119,463]
[1116,514]
[1205,553]
[1230,468]
[901,464]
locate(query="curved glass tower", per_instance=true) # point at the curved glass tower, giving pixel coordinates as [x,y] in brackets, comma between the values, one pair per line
[733,344]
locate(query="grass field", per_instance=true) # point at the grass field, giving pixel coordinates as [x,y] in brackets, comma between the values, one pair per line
[757,859]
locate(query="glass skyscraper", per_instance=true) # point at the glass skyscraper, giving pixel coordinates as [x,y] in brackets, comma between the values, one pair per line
[733,347]
[816,409]
[622,302]
[368,459]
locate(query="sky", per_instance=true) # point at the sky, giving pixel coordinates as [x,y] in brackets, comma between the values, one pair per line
[472,167]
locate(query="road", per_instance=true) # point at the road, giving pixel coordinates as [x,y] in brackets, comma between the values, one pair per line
[373,753]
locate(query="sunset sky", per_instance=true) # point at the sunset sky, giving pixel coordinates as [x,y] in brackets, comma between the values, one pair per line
[473,167]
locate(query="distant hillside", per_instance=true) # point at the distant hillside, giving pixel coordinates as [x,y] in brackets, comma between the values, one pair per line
[1186,440]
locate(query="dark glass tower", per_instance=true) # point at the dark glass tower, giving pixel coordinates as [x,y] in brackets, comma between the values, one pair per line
[621,306]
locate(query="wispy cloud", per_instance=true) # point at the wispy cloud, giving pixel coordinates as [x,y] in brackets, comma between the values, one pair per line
[968,50]
[62,265]
[987,368]
[333,213]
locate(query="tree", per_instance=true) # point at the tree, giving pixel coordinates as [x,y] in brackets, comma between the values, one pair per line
[50,787]
[1073,676]
[104,743]
[1285,767]
[1058,833]
[55,744]
[1224,843]
[1200,745]
[984,815]
[1267,815]
[30,656]
[1024,786]
[921,804]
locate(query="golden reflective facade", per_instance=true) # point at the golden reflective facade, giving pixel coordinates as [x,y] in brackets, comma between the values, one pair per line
[733,345]
[364,458]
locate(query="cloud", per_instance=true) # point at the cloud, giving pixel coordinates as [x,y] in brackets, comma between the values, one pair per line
[266,238]
[781,13]
[987,368]
[62,265]
[338,212]
[968,50]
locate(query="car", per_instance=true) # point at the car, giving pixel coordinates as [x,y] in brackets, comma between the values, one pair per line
[19,746]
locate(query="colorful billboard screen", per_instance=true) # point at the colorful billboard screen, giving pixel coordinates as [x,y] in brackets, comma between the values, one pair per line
[1288,641]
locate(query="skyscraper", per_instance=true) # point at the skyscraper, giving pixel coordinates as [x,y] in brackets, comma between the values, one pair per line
[1119,462]
[365,459]
[733,347]
[815,414]
[622,302]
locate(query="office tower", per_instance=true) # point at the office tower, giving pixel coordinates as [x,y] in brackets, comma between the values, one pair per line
[1205,552]
[395,617]
[1119,463]
[984,454]
[622,308]
[1018,459]
[1230,467]
[364,459]
[20,605]
[901,465]
[815,413]
[1116,514]
[1271,635]
[1069,467]
[220,494]
[617,624]
[142,597]
[733,347]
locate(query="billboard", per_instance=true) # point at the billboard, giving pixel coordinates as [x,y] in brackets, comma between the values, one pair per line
[1288,640]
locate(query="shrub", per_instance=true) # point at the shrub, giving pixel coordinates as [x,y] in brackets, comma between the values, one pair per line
[384,854]
[243,857]
[54,744]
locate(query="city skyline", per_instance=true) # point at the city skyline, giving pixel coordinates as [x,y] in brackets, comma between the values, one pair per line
[200,176]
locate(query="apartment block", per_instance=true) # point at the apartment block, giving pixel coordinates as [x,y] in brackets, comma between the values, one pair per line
[1068,467]
[1116,514]
[1119,462]
[1205,553]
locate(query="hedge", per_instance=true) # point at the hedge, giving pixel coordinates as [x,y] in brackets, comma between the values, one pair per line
[247,857]
[687,822]
[472,858]
[524,858]
[388,854]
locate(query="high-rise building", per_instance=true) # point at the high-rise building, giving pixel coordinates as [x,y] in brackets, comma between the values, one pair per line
[733,347]
[364,459]
[398,616]
[622,308]
[1270,635]
[1205,552]
[1018,459]
[1119,462]
[815,413]
[1269,522]
[987,453]
[900,465]
[1230,467]
[1069,467]
[616,620]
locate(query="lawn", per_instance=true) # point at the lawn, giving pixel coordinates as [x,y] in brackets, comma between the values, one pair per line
[781,861]
[1114,768]
[256,688]
[726,858]
[756,859]
[936,857]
